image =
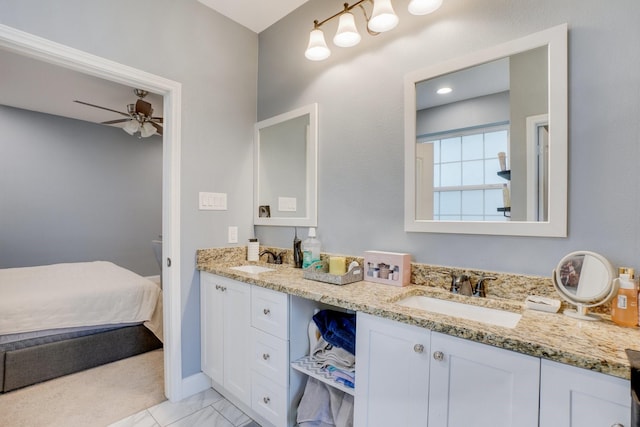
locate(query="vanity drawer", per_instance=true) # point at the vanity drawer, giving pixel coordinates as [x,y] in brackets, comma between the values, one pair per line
[269,400]
[270,311]
[270,357]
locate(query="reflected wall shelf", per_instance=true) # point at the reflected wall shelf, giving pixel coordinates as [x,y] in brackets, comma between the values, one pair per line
[505,174]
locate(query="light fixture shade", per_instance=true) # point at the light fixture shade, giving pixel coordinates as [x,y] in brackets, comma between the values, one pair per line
[147,130]
[131,127]
[383,18]
[317,50]
[347,34]
[424,7]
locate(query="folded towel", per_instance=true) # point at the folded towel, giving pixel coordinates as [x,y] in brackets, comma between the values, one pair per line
[326,354]
[337,328]
[344,377]
[323,406]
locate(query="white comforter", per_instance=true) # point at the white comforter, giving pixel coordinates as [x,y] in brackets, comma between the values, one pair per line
[71,295]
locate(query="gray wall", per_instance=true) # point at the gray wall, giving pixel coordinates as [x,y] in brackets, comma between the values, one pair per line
[215,59]
[360,96]
[77,191]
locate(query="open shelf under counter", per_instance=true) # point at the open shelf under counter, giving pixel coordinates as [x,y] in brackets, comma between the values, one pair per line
[308,367]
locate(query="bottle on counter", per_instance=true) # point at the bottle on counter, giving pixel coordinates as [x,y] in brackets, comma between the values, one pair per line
[253,249]
[310,249]
[624,308]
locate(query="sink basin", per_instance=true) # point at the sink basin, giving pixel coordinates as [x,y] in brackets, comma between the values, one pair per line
[492,316]
[252,269]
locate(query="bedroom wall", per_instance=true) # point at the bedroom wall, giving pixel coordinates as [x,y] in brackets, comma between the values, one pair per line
[76,191]
[360,96]
[215,59]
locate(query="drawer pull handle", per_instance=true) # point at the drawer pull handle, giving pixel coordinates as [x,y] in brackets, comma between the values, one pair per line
[266,311]
[418,348]
[438,355]
[265,356]
[266,400]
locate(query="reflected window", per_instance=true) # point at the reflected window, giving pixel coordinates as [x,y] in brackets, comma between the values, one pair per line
[466,184]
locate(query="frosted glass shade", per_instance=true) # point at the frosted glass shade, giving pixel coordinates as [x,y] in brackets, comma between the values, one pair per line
[383,18]
[147,130]
[347,34]
[317,49]
[424,7]
[131,127]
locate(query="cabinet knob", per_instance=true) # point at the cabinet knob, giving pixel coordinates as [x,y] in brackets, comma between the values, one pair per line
[438,355]
[218,287]
[617,425]
[266,311]
[418,348]
[265,356]
[266,400]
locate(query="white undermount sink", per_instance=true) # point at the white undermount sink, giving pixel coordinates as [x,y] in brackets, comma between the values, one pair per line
[492,316]
[252,269]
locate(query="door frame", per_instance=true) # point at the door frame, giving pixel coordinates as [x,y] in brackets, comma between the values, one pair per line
[32,46]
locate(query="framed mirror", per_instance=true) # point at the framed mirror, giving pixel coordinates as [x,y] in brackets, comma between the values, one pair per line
[489,154]
[584,279]
[285,169]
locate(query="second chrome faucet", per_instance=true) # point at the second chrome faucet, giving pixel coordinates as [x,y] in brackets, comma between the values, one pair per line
[462,285]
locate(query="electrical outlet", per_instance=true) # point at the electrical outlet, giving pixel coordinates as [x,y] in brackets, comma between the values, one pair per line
[233,234]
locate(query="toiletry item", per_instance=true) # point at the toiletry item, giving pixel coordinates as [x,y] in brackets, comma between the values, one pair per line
[253,249]
[310,249]
[624,309]
[337,265]
[506,199]
[297,251]
[502,158]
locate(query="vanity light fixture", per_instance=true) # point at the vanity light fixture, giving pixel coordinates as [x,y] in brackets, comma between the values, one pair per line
[383,18]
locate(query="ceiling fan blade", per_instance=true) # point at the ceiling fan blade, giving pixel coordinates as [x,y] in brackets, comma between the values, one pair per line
[143,107]
[113,122]
[102,108]
[157,119]
[158,127]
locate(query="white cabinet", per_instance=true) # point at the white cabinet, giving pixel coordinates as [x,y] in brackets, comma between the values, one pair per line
[392,373]
[473,384]
[574,397]
[409,376]
[226,330]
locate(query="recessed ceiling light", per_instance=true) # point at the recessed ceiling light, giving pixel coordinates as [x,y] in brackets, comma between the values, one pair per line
[444,90]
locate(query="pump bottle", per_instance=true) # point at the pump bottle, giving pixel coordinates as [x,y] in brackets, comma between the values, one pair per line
[624,308]
[310,249]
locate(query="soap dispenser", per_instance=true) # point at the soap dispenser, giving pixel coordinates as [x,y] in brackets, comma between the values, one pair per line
[310,249]
[624,309]
[297,250]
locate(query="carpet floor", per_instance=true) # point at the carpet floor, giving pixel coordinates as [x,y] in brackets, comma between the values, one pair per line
[95,397]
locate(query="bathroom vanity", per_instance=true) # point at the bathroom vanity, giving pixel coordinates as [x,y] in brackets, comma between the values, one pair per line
[420,368]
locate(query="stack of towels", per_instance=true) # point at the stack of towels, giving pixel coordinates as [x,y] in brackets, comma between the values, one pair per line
[334,352]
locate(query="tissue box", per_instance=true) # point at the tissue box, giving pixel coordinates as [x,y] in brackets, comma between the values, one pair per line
[390,268]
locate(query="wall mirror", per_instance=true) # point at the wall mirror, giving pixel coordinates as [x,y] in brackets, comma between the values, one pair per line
[585,279]
[489,154]
[285,169]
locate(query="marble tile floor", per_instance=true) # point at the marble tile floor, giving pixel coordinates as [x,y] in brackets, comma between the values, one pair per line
[206,409]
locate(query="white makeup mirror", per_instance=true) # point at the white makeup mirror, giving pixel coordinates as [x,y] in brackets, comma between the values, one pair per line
[285,169]
[490,157]
[585,279]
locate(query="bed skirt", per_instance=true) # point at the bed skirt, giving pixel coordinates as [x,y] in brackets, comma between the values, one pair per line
[40,359]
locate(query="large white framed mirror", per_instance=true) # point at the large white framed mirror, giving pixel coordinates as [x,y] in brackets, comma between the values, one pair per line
[285,169]
[490,155]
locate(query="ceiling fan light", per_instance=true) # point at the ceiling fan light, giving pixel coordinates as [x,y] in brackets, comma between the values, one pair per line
[383,17]
[347,34]
[317,50]
[147,130]
[424,7]
[131,127]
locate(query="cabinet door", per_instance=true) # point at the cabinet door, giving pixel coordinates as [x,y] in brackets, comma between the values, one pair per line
[211,325]
[574,397]
[392,373]
[237,339]
[479,385]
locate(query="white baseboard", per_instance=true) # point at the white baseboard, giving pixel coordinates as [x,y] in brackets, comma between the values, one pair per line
[194,384]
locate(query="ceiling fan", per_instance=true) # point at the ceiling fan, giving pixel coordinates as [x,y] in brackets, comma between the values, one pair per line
[139,116]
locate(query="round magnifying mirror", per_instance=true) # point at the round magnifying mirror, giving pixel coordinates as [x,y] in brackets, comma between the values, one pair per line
[585,279]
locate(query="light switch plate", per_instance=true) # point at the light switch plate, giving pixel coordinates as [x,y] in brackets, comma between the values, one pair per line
[287,204]
[212,201]
[233,234]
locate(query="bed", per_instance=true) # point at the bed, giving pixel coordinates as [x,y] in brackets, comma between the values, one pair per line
[63,318]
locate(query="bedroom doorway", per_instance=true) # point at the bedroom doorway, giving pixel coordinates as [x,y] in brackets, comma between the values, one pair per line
[26,44]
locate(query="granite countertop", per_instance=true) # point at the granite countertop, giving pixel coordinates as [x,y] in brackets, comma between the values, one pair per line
[598,346]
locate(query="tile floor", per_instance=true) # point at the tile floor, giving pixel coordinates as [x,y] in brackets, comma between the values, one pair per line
[207,408]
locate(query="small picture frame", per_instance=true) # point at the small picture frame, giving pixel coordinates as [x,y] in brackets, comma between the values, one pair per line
[264,211]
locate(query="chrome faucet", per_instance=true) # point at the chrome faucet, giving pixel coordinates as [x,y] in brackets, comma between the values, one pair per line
[481,289]
[461,285]
[273,258]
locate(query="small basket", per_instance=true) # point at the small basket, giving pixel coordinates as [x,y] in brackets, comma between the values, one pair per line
[319,271]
